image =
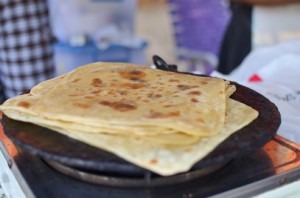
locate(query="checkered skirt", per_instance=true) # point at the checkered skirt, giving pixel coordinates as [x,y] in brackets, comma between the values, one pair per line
[26,56]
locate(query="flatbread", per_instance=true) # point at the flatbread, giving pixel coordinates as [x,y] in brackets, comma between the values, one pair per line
[162,121]
[104,95]
[163,159]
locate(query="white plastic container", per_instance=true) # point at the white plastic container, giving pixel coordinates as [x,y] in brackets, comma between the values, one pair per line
[72,18]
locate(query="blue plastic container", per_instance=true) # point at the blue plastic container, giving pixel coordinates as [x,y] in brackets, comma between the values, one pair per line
[69,57]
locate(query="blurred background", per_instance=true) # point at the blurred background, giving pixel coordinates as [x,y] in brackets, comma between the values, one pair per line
[186,33]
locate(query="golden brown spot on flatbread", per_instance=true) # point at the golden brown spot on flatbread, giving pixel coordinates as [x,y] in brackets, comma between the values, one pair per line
[24,104]
[96,82]
[188,149]
[152,95]
[96,92]
[120,106]
[156,114]
[89,97]
[175,113]
[184,87]
[174,80]
[112,92]
[204,83]
[199,120]
[167,106]
[82,105]
[133,85]
[137,138]
[134,75]
[153,161]
[194,93]
[122,92]
[194,100]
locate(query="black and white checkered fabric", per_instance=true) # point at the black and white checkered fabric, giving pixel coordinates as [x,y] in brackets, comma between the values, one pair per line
[26,55]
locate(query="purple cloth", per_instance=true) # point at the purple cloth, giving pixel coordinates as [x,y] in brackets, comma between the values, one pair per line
[199,24]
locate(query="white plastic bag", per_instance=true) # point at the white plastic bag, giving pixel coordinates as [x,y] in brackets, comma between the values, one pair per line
[275,73]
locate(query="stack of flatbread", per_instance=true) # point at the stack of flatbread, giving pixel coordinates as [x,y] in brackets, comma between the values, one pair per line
[162,121]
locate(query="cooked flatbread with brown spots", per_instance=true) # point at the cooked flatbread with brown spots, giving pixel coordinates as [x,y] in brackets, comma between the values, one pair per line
[149,117]
[105,94]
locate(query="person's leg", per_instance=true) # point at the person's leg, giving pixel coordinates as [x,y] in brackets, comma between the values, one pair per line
[2,96]
[25,45]
[237,39]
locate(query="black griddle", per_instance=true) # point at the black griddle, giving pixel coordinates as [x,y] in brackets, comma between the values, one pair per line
[51,145]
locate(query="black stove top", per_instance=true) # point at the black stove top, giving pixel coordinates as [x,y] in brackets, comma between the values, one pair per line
[277,157]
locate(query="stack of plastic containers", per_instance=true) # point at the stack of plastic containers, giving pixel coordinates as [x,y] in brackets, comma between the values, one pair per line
[95,30]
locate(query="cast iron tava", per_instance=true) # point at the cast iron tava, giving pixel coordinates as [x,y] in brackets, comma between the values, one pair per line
[54,146]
